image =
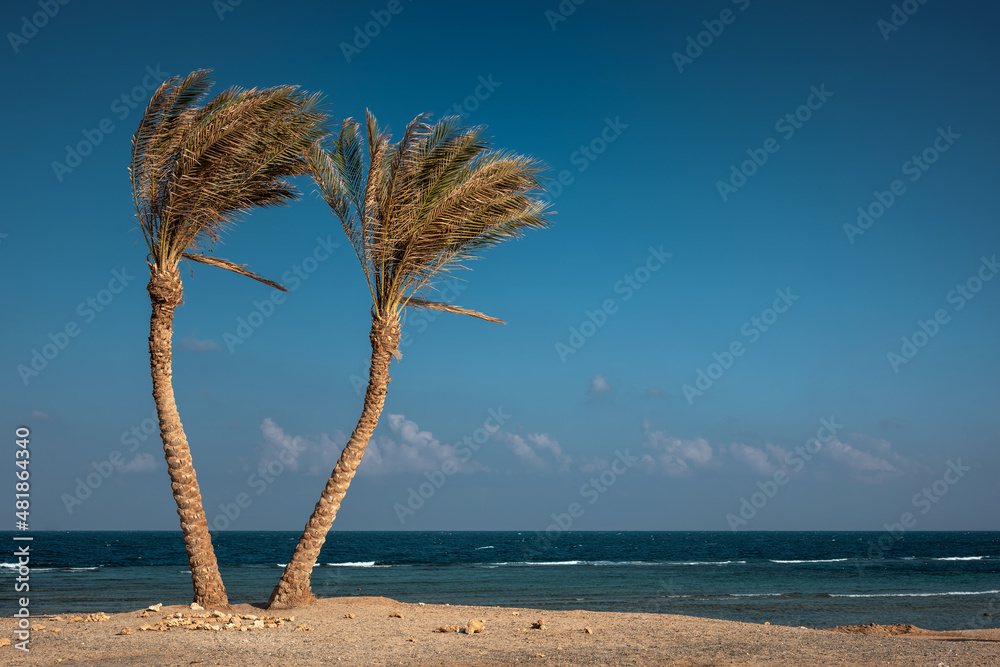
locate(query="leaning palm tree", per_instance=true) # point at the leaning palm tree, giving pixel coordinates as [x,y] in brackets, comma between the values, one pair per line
[426,205]
[194,170]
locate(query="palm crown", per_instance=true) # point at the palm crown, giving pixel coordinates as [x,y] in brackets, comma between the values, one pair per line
[195,169]
[424,205]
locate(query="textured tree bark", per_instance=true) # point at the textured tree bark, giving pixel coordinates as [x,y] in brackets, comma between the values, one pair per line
[165,292]
[294,588]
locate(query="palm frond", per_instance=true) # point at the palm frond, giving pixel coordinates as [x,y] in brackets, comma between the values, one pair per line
[448,308]
[425,205]
[154,144]
[231,266]
[196,169]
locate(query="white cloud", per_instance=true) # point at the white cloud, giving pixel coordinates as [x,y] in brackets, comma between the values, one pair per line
[884,450]
[863,457]
[674,465]
[676,456]
[543,442]
[144,462]
[405,449]
[523,451]
[857,461]
[599,387]
[410,450]
[279,445]
[38,415]
[779,453]
[195,345]
[753,457]
[313,456]
[539,451]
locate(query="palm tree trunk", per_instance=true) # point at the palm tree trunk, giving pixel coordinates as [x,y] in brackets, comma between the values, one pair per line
[294,589]
[165,292]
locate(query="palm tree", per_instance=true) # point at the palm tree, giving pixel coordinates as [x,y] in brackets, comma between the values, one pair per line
[425,205]
[194,170]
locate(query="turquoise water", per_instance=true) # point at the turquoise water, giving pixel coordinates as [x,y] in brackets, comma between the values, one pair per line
[936,580]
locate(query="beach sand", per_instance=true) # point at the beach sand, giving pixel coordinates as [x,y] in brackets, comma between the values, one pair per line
[380,631]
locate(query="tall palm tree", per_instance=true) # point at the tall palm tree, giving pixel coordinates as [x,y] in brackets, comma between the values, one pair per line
[194,170]
[423,207]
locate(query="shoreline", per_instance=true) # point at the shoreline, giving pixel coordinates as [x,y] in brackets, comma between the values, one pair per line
[381,631]
[935,580]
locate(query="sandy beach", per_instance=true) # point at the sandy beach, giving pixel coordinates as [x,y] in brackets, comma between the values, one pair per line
[380,631]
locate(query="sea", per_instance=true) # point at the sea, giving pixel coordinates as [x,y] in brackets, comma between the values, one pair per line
[934,580]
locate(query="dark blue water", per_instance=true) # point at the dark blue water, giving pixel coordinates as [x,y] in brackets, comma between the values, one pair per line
[936,580]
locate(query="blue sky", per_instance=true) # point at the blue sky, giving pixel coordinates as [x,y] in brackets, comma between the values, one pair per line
[705,303]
